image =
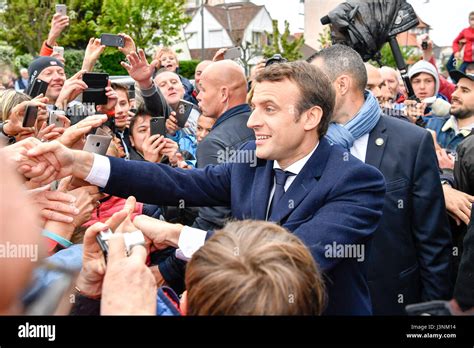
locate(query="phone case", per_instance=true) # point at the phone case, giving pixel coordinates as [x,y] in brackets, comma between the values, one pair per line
[183,112]
[97,144]
[37,87]
[112,40]
[95,92]
[157,126]
[61,9]
[54,119]
[31,113]
[233,53]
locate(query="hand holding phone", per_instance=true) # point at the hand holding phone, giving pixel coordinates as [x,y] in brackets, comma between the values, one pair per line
[55,119]
[157,126]
[183,111]
[29,118]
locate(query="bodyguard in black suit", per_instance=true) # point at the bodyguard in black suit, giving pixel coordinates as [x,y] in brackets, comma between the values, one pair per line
[411,250]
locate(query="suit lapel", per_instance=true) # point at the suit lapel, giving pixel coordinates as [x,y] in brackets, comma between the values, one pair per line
[303,183]
[262,186]
[377,143]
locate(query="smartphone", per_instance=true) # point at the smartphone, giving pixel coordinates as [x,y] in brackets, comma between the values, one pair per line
[183,111]
[95,92]
[97,144]
[233,53]
[61,9]
[54,118]
[58,50]
[157,126]
[112,40]
[31,113]
[37,87]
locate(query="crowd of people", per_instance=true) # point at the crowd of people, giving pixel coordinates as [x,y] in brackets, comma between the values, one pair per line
[313,187]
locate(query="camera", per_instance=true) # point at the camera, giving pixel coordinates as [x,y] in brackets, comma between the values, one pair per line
[276,58]
[424,45]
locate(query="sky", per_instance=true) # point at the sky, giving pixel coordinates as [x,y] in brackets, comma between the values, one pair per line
[447,18]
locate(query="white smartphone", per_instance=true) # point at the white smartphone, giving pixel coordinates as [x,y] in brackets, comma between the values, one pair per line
[61,9]
[58,50]
[54,118]
[97,143]
[233,53]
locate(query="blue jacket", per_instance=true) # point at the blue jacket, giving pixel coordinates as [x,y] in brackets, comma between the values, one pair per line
[336,199]
[410,260]
[445,133]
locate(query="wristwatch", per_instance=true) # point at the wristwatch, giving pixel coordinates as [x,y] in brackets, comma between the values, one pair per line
[10,139]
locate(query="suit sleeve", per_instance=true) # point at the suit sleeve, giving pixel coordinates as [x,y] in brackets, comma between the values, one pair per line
[155,102]
[350,215]
[464,166]
[430,225]
[156,183]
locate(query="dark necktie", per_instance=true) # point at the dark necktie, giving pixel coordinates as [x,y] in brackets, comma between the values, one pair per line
[280,180]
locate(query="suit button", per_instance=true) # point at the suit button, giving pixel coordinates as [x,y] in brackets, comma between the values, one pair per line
[379,141]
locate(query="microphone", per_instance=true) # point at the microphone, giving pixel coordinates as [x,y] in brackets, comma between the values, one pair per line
[439,107]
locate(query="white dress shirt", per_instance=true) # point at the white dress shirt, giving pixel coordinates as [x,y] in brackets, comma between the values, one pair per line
[359,148]
[190,239]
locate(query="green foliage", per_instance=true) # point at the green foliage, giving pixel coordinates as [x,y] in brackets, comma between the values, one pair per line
[22,61]
[187,68]
[387,58]
[7,55]
[281,44]
[110,62]
[141,19]
[325,37]
[25,24]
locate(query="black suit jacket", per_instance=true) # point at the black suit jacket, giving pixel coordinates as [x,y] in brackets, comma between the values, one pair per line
[411,250]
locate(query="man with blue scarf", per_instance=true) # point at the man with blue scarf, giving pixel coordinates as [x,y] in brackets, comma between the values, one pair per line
[410,259]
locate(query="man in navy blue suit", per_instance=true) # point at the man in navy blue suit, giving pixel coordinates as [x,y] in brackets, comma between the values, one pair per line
[290,175]
[411,249]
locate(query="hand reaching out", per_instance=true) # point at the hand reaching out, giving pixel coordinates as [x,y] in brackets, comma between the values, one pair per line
[139,69]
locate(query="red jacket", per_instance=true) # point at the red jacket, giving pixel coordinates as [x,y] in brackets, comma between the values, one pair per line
[468,35]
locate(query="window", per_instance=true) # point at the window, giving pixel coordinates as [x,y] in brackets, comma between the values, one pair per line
[257,39]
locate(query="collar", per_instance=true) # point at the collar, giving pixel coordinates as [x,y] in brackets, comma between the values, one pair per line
[452,123]
[232,112]
[296,167]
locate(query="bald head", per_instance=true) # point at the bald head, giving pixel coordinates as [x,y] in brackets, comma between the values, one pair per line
[222,86]
[375,82]
[199,69]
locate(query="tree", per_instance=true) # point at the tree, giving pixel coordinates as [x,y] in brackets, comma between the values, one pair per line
[142,19]
[387,58]
[249,52]
[282,43]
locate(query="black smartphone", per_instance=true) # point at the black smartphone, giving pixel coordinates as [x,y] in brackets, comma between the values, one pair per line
[112,40]
[157,126]
[37,87]
[424,45]
[95,92]
[29,118]
[183,111]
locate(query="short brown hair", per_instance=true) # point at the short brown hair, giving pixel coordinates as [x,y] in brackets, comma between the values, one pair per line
[254,268]
[120,87]
[314,86]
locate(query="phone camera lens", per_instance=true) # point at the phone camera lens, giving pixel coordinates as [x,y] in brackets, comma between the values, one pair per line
[98,144]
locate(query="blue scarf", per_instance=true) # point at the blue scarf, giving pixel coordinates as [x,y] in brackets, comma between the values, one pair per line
[361,124]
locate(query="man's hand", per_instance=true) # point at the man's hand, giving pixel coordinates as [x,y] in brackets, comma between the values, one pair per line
[71,89]
[458,204]
[171,149]
[129,286]
[55,161]
[152,148]
[93,263]
[414,110]
[445,161]
[139,69]
[15,121]
[129,46]
[54,205]
[58,23]
[93,51]
[162,234]
[219,54]
[74,136]
[172,124]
